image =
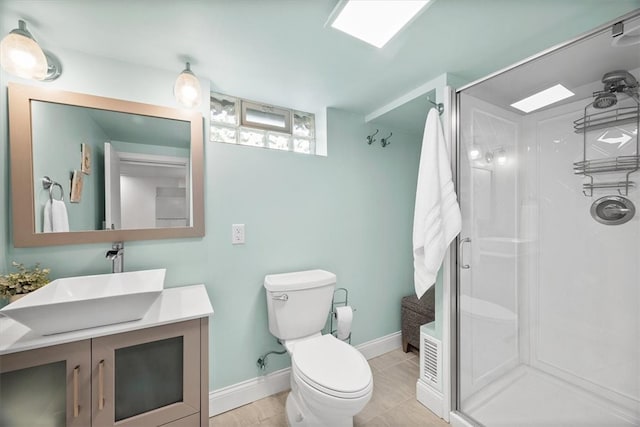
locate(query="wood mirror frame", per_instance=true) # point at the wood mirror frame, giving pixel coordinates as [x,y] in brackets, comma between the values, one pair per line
[22,180]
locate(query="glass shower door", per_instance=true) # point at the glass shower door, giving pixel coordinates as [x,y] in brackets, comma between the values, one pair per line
[488,295]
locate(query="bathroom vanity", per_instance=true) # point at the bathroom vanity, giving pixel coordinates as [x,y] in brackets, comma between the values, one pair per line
[148,372]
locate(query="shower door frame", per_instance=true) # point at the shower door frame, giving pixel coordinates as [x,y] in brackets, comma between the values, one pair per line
[454,268]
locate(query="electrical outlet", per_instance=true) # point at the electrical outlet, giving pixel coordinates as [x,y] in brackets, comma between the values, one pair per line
[237,234]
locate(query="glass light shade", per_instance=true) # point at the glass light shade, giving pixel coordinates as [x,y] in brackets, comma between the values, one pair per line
[187,89]
[22,56]
[474,153]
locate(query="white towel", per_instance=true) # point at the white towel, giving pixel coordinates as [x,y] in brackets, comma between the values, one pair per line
[436,220]
[55,217]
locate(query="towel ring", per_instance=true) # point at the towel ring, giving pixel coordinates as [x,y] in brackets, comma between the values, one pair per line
[49,184]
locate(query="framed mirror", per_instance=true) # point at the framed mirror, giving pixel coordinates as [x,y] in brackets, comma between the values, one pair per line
[89,169]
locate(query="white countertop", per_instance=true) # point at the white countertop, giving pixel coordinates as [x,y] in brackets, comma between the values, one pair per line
[173,305]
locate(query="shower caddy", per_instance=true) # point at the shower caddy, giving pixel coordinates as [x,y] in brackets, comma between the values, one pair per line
[590,167]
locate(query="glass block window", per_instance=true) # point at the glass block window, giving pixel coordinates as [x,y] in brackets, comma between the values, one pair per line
[302,146]
[279,141]
[224,110]
[224,134]
[252,137]
[239,121]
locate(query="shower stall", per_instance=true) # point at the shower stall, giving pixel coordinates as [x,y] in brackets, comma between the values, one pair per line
[548,261]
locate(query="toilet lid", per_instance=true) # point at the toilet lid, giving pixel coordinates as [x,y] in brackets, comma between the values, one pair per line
[329,364]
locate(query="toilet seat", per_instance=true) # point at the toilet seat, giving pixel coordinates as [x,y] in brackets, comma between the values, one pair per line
[332,367]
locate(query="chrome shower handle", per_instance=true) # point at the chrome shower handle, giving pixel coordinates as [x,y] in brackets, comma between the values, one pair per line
[615,209]
[461,253]
[282,297]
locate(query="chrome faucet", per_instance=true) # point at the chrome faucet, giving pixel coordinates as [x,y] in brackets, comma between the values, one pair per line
[116,255]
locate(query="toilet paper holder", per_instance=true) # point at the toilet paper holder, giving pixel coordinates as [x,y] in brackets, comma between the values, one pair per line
[335,304]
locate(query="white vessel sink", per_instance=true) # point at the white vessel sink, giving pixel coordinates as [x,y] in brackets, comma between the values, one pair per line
[84,302]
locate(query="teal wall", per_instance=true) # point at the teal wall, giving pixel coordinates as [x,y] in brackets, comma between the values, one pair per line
[349,213]
[59,130]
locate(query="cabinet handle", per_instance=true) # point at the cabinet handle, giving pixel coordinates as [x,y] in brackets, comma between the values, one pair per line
[101,385]
[76,406]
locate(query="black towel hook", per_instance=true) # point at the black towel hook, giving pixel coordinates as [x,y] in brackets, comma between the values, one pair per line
[371,139]
[385,141]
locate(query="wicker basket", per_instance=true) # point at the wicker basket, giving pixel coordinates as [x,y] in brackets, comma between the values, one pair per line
[415,313]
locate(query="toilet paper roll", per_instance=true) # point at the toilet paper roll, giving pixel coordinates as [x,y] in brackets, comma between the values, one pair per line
[344,316]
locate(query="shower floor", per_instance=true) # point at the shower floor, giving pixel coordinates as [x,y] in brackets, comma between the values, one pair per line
[527,397]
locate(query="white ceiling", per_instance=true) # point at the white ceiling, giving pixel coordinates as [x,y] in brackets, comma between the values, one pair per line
[578,67]
[280,52]
[142,129]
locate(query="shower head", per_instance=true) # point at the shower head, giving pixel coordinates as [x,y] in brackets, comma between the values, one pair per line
[605,100]
[619,81]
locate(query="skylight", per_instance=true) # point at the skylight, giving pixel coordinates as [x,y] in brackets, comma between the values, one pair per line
[376,21]
[543,98]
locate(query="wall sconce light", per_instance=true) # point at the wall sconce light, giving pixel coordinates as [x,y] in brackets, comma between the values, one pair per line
[475,153]
[187,88]
[500,156]
[488,157]
[22,56]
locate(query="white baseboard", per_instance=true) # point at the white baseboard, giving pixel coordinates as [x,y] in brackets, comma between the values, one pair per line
[430,398]
[236,395]
[382,345]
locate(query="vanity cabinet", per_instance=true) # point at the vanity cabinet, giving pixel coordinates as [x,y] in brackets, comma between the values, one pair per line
[147,377]
[151,372]
[50,386]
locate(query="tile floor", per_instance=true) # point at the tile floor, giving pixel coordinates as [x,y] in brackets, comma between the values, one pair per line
[393,403]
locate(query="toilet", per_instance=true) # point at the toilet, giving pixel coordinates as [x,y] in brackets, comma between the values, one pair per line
[330,380]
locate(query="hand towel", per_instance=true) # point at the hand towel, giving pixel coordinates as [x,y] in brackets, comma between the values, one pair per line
[437,220]
[55,217]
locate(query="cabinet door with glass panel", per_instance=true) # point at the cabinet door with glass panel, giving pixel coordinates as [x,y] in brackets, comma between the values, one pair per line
[147,377]
[46,387]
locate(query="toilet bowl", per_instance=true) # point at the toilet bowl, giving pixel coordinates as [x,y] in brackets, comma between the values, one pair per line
[331,381]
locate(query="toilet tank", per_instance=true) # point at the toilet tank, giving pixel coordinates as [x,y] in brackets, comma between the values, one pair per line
[298,303]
